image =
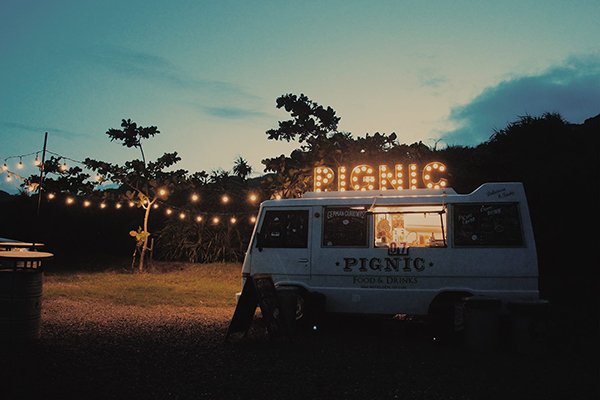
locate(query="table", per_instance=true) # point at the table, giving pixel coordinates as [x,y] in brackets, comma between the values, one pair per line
[8,244]
[23,259]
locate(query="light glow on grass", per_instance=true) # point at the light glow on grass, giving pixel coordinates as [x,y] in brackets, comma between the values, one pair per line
[190,285]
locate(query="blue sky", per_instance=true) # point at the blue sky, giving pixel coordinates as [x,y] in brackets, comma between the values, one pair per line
[207,73]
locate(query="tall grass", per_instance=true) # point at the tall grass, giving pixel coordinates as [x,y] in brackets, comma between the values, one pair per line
[181,285]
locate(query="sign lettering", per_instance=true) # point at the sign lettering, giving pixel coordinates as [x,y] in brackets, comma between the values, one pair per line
[365,177]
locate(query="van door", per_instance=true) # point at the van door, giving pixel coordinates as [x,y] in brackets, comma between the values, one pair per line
[282,243]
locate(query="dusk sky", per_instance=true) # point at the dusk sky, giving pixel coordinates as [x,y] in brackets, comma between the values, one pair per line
[207,73]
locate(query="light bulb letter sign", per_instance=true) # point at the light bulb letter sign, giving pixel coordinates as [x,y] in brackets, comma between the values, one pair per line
[323,179]
[431,169]
[365,177]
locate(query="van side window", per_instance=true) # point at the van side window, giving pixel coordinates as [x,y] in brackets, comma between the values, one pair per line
[417,226]
[285,229]
[344,227]
[487,224]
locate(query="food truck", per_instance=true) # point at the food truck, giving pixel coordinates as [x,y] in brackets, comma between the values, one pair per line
[398,251]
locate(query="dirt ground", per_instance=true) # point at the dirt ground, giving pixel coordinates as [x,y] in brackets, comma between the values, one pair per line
[90,350]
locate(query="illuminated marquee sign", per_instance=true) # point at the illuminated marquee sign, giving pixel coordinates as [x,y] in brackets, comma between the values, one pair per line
[364,177]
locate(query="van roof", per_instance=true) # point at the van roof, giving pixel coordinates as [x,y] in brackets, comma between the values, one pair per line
[379,193]
[502,192]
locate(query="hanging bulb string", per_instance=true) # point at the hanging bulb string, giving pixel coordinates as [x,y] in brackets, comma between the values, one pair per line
[165,208]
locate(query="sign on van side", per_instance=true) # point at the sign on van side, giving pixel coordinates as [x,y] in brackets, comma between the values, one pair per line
[388,264]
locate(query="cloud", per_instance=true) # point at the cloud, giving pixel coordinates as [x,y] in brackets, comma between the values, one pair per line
[39,129]
[429,78]
[155,68]
[232,112]
[571,89]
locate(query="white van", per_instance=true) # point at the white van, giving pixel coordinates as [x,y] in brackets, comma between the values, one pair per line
[398,251]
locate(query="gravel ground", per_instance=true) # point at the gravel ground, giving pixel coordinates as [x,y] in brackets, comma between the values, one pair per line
[97,351]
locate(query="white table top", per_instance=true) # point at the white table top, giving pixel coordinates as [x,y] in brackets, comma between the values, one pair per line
[25,255]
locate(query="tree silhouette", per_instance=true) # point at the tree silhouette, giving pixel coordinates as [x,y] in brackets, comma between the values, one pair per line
[145,183]
[241,168]
[309,119]
[131,135]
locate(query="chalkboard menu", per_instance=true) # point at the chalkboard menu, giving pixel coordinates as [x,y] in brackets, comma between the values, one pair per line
[487,225]
[344,227]
[259,290]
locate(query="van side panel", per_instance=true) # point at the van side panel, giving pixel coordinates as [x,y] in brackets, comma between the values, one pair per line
[490,258]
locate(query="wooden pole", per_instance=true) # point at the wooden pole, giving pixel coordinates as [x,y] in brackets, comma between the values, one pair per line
[40,187]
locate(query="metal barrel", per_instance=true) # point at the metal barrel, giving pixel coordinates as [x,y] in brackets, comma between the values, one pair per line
[20,303]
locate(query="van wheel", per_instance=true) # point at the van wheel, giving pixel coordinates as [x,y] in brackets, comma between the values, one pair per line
[300,305]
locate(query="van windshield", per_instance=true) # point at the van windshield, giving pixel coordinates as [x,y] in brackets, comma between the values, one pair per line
[417,226]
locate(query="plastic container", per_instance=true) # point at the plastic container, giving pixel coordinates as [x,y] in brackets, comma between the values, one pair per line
[528,325]
[20,304]
[481,322]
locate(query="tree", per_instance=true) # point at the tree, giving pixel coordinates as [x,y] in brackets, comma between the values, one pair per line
[316,127]
[241,168]
[145,184]
[309,119]
[132,135]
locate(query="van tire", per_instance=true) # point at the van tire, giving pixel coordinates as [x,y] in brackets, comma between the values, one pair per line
[300,304]
[310,308]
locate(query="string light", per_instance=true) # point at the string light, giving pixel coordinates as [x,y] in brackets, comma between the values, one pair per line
[62,167]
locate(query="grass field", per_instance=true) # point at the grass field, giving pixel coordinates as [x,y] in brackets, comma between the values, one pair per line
[175,284]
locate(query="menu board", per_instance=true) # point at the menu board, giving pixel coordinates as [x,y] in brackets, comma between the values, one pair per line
[487,225]
[344,226]
[258,290]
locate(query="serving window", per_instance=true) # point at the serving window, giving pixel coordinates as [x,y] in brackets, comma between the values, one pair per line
[417,226]
[344,227]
